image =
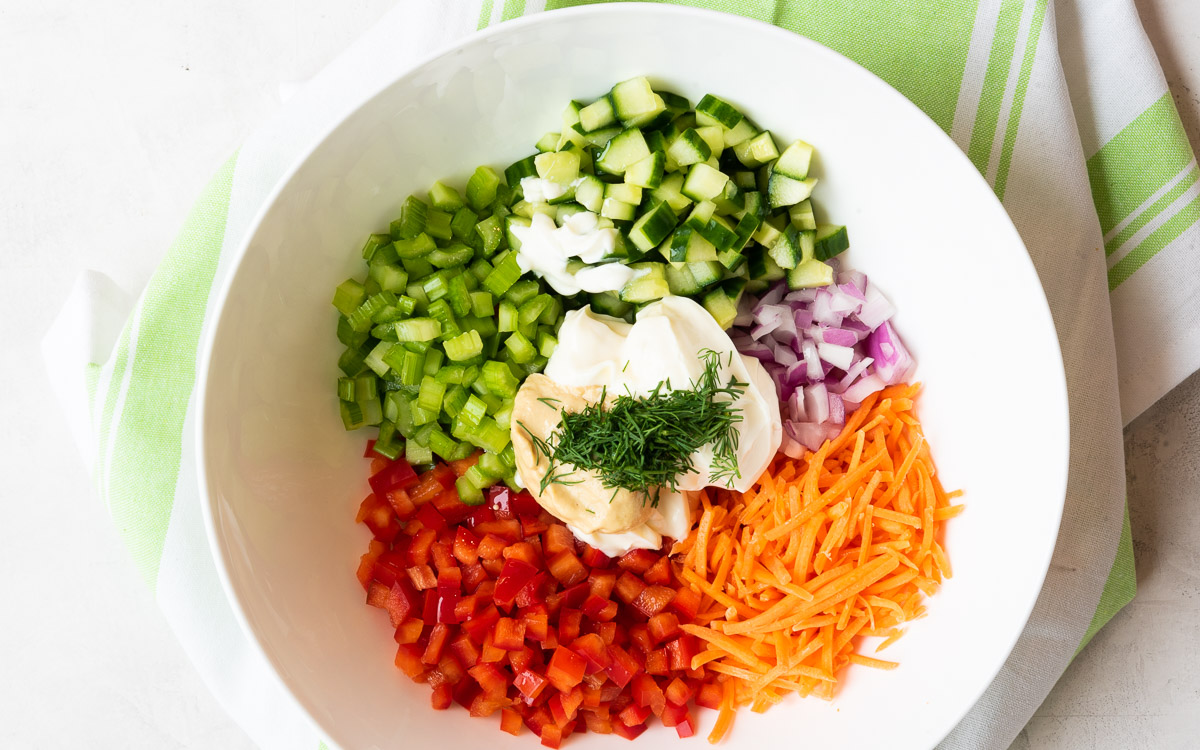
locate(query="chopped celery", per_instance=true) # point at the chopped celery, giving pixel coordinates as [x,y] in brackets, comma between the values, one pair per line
[453,401]
[441,312]
[491,465]
[462,226]
[478,478]
[508,317]
[459,296]
[441,444]
[417,454]
[348,296]
[490,232]
[473,411]
[431,393]
[451,257]
[521,348]
[345,389]
[374,242]
[444,197]
[531,310]
[546,344]
[481,304]
[522,291]
[464,346]
[503,276]
[412,219]
[437,224]
[499,380]
[417,329]
[482,188]
[433,361]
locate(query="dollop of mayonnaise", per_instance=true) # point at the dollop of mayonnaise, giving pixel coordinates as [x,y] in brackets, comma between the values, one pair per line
[546,249]
[664,345]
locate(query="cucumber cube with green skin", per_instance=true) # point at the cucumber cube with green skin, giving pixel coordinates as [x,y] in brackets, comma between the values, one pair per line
[560,166]
[830,240]
[740,133]
[625,149]
[669,191]
[701,214]
[656,140]
[795,161]
[597,115]
[608,303]
[680,280]
[714,138]
[756,151]
[634,98]
[617,210]
[648,283]
[731,200]
[720,306]
[768,231]
[706,273]
[785,191]
[520,169]
[801,215]
[703,183]
[624,192]
[720,233]
[688,246]
[686,149]
[589,193]
[786,250]
[653,227]
[647,172]
[719,110]
[811,273]
[548,142]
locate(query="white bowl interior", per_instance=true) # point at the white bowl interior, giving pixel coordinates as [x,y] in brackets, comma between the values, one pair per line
[284,481]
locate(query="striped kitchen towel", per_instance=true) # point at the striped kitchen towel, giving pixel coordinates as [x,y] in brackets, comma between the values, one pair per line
[1062,106]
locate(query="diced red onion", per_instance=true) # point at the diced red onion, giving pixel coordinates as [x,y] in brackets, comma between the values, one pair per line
[892,360]
[837,409]
[839,336]
[773,296]
[838,356]
[852,374]
[795,407]
[809,350]
[876,309]
[803,318]
[863,388]
[785,356]
[816,402]
[801,295]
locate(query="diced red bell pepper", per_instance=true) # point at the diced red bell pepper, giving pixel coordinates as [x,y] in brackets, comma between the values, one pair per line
[597,723]
[447,672]
[602,582]
[552,736]
[656,662]
[409,631]
[566,669]
[473,575]
[623,666]
[634,714]
[441,697]
[592,687]
[564,706]
[628,587]
[397,475]
[409,661]
[467,607]
[653,600]
[425,490]
[531,684]
[438,637]
[628,732]
[507,504]
[370,451]
[663,627]
[490,652]
[510,721]
[465,650]
[538,719]
[401,503]
[537,626]
[685,728]
[485,705]
[533,525]
[710,695]
[418,549]
[366,564]
[390,566]
[646,692]
[513,577]
[377,594]
[535,591]
[686,603]
[402,602]
[557,538]
[509,634]
[525,552]
[379,518]
[491,680]
[451,507]
[461,466]
[592,557]
[575,596]
[672,715]
[678,692]
[594,650]
[523,658]
[567,568]
[421,577]
[681,651]
[447,607]
[466,546]
[509,530]
[443,474]
[430,518]
[442,553]
[606,630]
[480,625]
[480,514]
[659,573]
[599,609]
[640,636]
[637,560]
[449,579]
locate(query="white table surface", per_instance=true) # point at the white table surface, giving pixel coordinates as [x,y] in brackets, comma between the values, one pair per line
[113,115]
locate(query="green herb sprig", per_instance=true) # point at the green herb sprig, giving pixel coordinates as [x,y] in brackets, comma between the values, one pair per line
[645,444]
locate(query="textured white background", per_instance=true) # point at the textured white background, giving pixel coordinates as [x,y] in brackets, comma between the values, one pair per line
[113,115]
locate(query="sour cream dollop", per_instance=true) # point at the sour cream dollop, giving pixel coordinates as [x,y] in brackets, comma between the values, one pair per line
[665,344]
[546,249]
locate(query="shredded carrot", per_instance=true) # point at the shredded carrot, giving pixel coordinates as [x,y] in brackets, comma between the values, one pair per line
[824,550]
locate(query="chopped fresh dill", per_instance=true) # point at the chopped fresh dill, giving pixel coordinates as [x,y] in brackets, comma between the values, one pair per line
[645,444]
[626,367]
[548,401]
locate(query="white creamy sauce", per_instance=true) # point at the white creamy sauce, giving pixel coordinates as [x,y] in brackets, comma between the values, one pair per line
[546,249]
[538,190]
[665,345]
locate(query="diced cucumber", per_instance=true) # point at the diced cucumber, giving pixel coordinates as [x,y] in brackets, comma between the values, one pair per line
[786,250]
[700,215]
[740,133]
[795,160]
[731,200]
[720,233]
[548,142]
[649,283]
[801,215]
[589,193]
[830,240]
[560,166]
[624,150]
[670,192]
[617,210]
[786,191]
[598,114]
[652,227]
[810,273]
[768,231]
[510,236]
[688,246]
[706,273]
[624,192]
[721,306]
[756,151]
[703,183]
[647,172]
[635,98]
[715,139]
[607,303]
[686,149]
[719,110]
[566,210]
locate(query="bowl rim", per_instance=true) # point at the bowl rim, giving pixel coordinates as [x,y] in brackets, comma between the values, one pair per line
[220,551]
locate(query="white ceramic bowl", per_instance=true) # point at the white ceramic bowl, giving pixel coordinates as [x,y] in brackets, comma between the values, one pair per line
[283,481]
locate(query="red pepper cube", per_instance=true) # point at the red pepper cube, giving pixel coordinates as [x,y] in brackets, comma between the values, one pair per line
[593,649]
[509,530]
[472,576]
[569,621]
[489,652]
[523,658]
[509,634]
[441,697]
[409,631]
[499,500]
[396,475]
[491,680]
[483,705]
[513,577]
[659,573]
[606,630]
[530,684]
[465,651]
[592,557]
[551,736]
[418,549]
[453,509]
[479,514]
[566,669]
[657,662]
[379,518]
[409,661]
[449,579]
[480,625]
[447,607]
[491,547]
[622,666]
[600,609]
[710,695]
[574,596]
[646,692]
[663,627]
[466,546]
[678,692]
[685,728]
[637,560]
[629,587]
[430,518]
[421,577]
[510,721]
[601,583]
[366,563]
[564,706]
[557,538]
[447,672]
[402,504]
[438,637]
[686,603]
[537,626]
[681,651]
[673,715]
[525,552]
[597,723]
[634,714]
[628,732]
[653,600]
[425,490]
[442,553]
[639,635]
[533,526]
[534,592]
[567,568]
[444,475]
[401,602]
[538,719]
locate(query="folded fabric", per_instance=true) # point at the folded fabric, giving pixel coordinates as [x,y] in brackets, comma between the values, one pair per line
[1067,116]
